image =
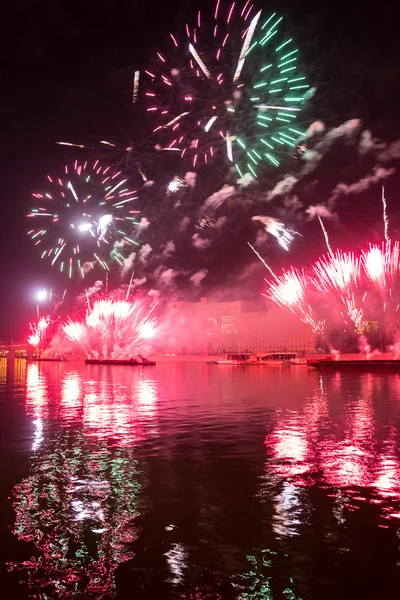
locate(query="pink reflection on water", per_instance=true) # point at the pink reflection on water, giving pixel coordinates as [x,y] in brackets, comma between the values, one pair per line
[123,413]
[290,448]
[387,472]
[340,438]
[36,392]
[79,503]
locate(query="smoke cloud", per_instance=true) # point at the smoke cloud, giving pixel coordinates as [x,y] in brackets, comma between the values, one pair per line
[362,185]
[198,277]
[199,242]
[319,210]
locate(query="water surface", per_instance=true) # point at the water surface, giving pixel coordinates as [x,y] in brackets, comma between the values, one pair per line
[198,481]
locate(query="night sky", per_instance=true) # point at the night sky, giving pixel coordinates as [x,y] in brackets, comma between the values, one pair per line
[66,69]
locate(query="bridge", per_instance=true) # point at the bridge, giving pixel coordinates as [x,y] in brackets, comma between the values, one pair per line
[12,349]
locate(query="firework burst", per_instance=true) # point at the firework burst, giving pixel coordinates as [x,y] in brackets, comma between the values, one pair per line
[41,333]
[284,235]
[228,86]
[113,329]
[85,218]
[381,263]
[288,290]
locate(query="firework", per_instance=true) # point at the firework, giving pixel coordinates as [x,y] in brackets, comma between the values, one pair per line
[205,222]
[273,226]
[381,263]
[84,218]
[119,155]
[339,271]
[338,284]
[325,236]
[113,329]
[175,185]
[288,290]
[356,315]
[228,86]
[40,333]
[385,216]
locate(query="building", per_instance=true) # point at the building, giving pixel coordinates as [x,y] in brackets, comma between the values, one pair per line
[218,327]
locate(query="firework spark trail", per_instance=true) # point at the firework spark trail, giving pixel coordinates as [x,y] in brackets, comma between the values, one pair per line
[262,260]
[246,46]
[113,329]
[326,236]
[385,216]
[129,286]
[135,91]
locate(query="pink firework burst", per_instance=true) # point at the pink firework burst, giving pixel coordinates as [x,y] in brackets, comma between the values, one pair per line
[339,271]
[288,289]
[39,332]
[113,329]
[381,263]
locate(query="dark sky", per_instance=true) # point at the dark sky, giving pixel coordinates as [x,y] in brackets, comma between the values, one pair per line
[65,73]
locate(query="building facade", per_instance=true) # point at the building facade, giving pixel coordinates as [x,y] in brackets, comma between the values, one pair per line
[219,327]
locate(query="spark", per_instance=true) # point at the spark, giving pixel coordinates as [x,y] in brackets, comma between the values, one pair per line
[176,184]
[135,87]
[71,144]
[197,58]
[262,260]
[176,119]
[326,236]
[209,123]
[385,217]
[246,46]
[115,187]
[71,187]
[276,228]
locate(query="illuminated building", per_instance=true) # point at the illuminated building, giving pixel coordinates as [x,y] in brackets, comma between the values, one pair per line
[218,327]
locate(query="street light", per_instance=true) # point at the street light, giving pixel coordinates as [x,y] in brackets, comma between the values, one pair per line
[41,295]
[44,295]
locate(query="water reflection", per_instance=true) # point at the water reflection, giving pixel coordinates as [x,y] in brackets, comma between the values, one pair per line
[349,443]
[3,374]
[190,482]
[81,500]
[342,441]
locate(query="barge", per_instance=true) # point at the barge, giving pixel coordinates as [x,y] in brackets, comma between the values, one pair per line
[132,362]
[376,365]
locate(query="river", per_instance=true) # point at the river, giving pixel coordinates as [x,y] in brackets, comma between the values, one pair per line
[196,481]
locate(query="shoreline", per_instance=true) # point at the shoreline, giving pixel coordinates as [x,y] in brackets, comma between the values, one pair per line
[215,357]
